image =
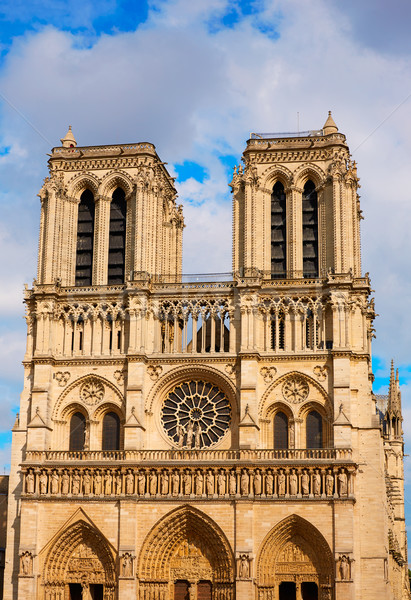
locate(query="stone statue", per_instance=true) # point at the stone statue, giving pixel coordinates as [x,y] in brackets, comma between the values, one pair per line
[141,478]
[244,483]
[305,483]
[164,483]
[87,437]
[118,484]
[233,483]
[190,433]
[210,483]
[344,568]
[292,434]
[244,567]
[127,565]
[129,482]
[97,483]
[199,483]
[281,483]
[176,483]
[342,483]
[55,482]
[257,482]
[316,483]
[108,480]
[221,483]
[30,482]
[269,482]
[26,563]
[65,482]
[293,482]
[153,483]
[75,483]
[43,482]
[329,483]
[192,592]
[197,437]
[86,483]
[187,482]
[180,435]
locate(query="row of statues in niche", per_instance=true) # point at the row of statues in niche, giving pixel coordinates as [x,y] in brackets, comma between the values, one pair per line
[187,482]
[193,435]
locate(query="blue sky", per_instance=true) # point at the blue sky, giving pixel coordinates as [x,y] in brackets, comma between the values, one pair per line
[195,78]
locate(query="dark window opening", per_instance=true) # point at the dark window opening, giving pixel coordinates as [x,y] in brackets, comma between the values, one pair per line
[77,431]
[278,232]
[80,344]
[118,340]
[111,432]
[314,430]
[97,591]
[278,321]
[72,341]
[280,431]
[111,340]
[85,239]
[76,592]
[117,239]
[288,590]
[309,590]
[310,230]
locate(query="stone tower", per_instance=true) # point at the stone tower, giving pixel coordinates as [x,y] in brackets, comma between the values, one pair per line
[208,440]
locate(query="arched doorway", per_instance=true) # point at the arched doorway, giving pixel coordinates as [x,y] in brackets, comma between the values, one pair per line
[79,566]
[295,563]
[186,556]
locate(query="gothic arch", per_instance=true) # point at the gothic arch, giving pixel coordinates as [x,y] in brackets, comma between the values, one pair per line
[186,532]
[80,554]
[306,172]
[294,549]
[81,182]
[114,180]
[273,174]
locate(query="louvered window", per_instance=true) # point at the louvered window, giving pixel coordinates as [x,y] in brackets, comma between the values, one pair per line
[85,239]
[117,239]
[278,232]
[310,231]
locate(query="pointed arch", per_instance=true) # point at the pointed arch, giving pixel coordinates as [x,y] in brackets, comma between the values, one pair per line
[186,526]
[116,179]
[298,536]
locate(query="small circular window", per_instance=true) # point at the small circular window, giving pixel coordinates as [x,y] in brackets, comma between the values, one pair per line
[195,414]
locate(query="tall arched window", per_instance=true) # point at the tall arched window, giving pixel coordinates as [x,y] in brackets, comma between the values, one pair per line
[117,239]
[278,232]
[77,431]
[314,430]
[111,432]
[280,431]
[85,239]
[310,230]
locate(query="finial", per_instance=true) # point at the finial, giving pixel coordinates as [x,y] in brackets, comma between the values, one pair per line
[329,125]
[69,141]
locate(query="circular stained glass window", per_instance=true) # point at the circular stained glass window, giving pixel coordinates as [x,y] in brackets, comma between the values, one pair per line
[195,414]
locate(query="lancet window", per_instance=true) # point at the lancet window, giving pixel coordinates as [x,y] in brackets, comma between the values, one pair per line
[314,430]
[278,232]
[77,432]
[85,239]
[117,238]
[111,432]
[310,230]
[280,431]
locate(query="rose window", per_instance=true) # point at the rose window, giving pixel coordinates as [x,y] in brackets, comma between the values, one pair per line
[295,389]
[92,391]
[196,414]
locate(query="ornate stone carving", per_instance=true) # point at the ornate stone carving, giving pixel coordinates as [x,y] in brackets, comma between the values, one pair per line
[268,373]
[92,391]
[344,567]
[295,389]
[26,564]
[62,378]
[154,371]
[321,372]
[127,561]
[230,369]
[243,567]
[120,376]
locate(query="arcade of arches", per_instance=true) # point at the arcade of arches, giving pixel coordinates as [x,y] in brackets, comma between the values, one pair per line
[186,556]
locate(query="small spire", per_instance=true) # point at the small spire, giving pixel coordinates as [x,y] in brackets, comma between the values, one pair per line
[329,125]
[69,141]
[394,393]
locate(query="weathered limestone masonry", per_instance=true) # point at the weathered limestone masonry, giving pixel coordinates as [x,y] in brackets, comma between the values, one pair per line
[192,439]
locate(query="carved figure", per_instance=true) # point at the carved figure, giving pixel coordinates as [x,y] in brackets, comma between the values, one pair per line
[305,483]
[176,483]
[86,483]
[292,434]
[97,483]
[329,483]
[197,437]
[141,478]
[55,482]
[118,484]
[244,483]
[75,483]
[192,592]
[129,482]
[43,482]
[190,433]
[293,483]
[30,482]
[180,435]
[210,483]
[127,565]
[257,482]
[164,483]
[199,483]
[233,483]
[26,563]
[153,483]
[316,483]
[281,483]
[342,483]
[87,437]
[108,480]
[65,482]
[244,567]
[221,483]
[269,482]
[187,482]
[344,568]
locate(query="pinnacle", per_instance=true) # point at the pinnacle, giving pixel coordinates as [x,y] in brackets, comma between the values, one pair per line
[69,141]
[329,125]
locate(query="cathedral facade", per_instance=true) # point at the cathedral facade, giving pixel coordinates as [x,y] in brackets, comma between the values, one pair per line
[188,438]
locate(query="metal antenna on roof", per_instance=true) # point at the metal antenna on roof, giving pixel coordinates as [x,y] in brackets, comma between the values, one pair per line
[298,122]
